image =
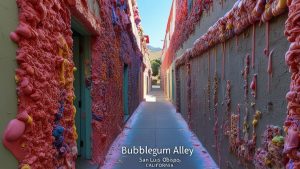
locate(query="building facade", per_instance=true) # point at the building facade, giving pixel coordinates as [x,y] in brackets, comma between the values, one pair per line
[233,63]
[72,73]
[167,66]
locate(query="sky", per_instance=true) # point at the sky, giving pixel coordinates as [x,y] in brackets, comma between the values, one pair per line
[154,15]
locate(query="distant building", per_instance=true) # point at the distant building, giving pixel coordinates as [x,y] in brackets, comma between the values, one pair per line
[167,67]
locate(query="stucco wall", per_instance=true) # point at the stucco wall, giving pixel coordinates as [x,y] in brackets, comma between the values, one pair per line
[272,104]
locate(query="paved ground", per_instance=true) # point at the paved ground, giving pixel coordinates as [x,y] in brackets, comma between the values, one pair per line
[156,124]
[85,164]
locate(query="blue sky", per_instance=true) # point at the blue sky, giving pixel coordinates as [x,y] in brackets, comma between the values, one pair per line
[154,15]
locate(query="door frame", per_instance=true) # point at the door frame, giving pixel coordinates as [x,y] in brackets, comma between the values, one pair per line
[85,113]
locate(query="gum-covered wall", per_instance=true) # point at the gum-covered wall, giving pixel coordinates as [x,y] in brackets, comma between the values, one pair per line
[108,61]
[226,97]
[43,135]
[272,105]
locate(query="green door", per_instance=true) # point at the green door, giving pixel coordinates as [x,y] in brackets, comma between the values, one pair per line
[173,86]
[83,101]
[125,92]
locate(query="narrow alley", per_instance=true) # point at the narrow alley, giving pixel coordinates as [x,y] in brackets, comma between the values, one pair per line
[156,124]
[136,84]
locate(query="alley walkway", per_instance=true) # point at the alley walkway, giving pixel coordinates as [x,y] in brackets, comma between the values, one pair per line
[156,124]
